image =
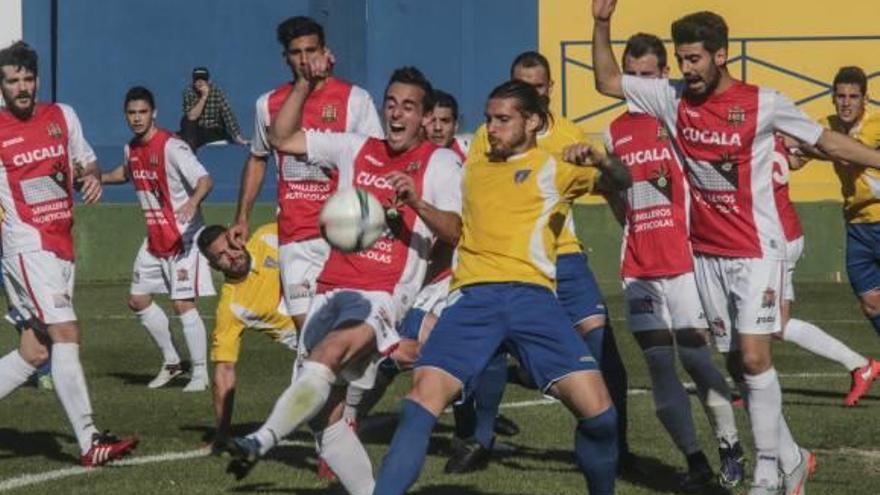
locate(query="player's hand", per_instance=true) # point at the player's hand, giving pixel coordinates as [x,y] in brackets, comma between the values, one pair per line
[90,188]
[185,213]
[238,234]
[320,66]
[405,187]
[581,154]
[602,9]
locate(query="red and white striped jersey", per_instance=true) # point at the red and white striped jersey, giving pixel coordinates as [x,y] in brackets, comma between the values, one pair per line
[727,142]
[336,106]
[164,172]
[37,157]
[655,242]
[396,263]
[791,224]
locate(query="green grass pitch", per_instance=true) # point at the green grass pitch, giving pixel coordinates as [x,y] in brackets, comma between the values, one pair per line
[118,359]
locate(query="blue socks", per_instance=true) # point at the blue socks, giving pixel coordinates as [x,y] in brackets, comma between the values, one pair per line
[603,347]
[595,445]
[488,395]
[875,321]
[406,454]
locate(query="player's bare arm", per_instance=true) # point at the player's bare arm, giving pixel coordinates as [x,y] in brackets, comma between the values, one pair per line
[285,133]
[605,69]
[118,175]
[188,209]
[446,225]
[90,183]
[252,176]
[841,147]
[224,396]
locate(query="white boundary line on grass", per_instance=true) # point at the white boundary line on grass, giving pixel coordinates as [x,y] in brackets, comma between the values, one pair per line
[36,478]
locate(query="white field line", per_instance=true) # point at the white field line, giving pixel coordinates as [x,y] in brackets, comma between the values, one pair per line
[37,478]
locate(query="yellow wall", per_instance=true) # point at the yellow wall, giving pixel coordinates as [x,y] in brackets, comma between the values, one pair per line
[570,20]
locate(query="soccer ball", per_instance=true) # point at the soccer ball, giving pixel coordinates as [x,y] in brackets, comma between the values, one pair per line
[352,220]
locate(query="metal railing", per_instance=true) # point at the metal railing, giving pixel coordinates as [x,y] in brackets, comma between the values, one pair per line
[569,62]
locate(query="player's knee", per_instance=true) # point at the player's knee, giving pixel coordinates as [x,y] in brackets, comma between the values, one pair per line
[139,303]
[870,303]
[754,363]
[35,356]
[591,323]
[600,426]
[181,306]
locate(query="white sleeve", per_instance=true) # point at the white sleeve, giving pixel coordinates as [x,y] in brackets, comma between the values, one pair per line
[260,142]
[180,156]
[363,118]
[657,97]
[609,142]
[789,119]
[80,150]
[443,181]
[334,150]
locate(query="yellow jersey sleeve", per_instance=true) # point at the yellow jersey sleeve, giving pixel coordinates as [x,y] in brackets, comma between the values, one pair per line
[226,337]
[859,186]
[479,144]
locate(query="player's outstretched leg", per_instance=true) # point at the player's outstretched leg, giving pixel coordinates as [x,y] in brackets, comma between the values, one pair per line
[864,371]
[339,446]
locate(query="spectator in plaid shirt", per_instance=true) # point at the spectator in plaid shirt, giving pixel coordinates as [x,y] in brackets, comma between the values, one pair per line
[207,115]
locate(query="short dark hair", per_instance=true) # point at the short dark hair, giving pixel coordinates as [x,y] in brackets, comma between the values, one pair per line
[641,44]
[139,93]
[411,75]
[528,60]
[19,55]
[208,236]
[295,27]
[529,102]
[851,75]
[446,100]
[704,27]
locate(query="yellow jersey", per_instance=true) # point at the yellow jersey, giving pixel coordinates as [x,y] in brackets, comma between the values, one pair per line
[254,302]
[860,186]
[561,133]
[512,215]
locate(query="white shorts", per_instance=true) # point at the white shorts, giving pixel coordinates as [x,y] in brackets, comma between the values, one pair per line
[301,262]
[670,303]
[40,285]
[331,309]
[793,251]
[432,297]
[182,276]
[740,295]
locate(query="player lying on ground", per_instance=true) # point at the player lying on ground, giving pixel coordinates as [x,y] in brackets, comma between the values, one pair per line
[515,201]
[45,144]
[251,276]
[170,184]
[663,309]
[352,320]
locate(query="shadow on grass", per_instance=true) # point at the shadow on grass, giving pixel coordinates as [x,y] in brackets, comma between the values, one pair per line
[836,395]
[14,443]
[454,490]
[273,488]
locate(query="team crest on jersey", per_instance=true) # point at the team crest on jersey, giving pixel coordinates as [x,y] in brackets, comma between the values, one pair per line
[662,133]
[412,167]
[54,130]
[182,274]
[521,175]
[736,116]
[769,298]
[328,113]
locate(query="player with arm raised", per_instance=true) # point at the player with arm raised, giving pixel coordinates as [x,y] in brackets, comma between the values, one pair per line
[662,306]
[362,295]
[333,105]
[171,185]
[42,145]
[725,130]
[514,203]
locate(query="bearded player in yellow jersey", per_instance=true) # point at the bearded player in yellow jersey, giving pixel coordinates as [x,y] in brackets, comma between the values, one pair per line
[860,188]
[250,298]
[577,291]
[514,205]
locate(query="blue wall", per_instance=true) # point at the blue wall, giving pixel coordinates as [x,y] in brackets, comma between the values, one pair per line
[106,46]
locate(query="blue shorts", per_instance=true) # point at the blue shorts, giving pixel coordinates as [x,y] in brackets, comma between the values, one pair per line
[863,256]
[479,319]
[411,324]
[577,289]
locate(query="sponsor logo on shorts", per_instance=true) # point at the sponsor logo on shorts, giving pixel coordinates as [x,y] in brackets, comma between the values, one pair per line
[641,306]
[718,328]
[453,297]
[297,291]
[587,359]
[61,301]
[182,274]
[768,300]
[385,319]
[763,320]
[136,276]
